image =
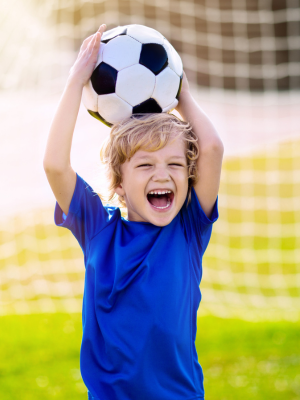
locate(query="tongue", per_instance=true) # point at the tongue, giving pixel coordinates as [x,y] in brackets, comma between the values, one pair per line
[160,201]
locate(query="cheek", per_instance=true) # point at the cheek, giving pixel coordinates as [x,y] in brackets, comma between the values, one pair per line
[136,185]
[184,182]
[181,176]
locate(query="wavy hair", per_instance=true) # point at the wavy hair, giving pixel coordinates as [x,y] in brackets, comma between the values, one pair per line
[149,132]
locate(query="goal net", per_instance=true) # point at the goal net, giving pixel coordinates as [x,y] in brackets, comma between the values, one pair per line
[250,45]
[242,58]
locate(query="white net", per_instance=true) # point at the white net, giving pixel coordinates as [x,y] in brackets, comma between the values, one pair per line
[250,45]
[253,260]
[252,264]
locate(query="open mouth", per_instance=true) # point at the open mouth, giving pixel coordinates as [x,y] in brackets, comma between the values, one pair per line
[161,200]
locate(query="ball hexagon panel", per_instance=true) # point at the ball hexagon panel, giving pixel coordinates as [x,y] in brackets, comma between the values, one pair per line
[96,115]
[166,87]
[104,79]
[100,54]
[144,34]
[174,59]
[148,106]
[113,108]
[112,33]
[135,84]
[154,57]
[122,52]
[90,97]
[171,106]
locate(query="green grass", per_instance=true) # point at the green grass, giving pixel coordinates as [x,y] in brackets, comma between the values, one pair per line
[246,360]
[41,354]
[241,360]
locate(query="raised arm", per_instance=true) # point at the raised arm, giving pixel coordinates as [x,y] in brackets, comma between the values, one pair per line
[57,165]
[211,149]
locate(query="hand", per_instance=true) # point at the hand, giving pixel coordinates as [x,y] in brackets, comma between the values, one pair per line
[87,58]
[184,93]
[185,84]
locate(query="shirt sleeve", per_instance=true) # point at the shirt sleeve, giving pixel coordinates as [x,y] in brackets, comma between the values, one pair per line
[87,216]
[197,225]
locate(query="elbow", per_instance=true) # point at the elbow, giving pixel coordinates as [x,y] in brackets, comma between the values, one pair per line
[220,147]
[45,165]
[48,167]
[215,146]
[52,168]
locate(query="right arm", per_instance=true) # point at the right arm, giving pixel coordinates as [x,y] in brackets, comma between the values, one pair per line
[57,165]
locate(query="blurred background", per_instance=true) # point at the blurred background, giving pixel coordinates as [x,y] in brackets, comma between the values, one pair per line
[242,59]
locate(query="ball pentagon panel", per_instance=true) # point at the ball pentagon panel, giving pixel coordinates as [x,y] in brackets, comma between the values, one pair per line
[144,34]
[113,108]
[148,106]
[174,59]
[154,57]
[104,79]
[135,84]
[166,87]
[112,33]
[122,52]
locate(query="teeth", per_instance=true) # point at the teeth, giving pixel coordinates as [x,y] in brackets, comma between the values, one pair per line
[163,207]
[160,192]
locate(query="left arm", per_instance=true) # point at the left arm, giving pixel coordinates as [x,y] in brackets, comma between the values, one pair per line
[211,149]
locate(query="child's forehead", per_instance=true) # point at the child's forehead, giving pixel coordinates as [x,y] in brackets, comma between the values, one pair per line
[175,147]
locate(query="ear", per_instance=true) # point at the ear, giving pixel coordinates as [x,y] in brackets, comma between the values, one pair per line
[119,190]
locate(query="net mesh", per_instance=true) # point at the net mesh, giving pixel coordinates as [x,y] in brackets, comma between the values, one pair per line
[252,264]
[230,44]
[253,259]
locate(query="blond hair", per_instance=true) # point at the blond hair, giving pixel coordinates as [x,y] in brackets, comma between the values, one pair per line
[149,132]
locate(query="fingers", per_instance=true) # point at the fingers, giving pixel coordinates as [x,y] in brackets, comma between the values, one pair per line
[92,48]
[101,28]
[86,42]
[95,43]
[184,75]
[89,39]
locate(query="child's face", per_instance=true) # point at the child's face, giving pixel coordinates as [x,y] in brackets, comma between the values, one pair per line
[163,170]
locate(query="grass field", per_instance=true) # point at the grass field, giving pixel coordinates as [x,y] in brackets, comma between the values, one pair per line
[241,360]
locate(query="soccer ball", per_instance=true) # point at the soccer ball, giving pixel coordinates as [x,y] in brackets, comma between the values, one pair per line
[137,71]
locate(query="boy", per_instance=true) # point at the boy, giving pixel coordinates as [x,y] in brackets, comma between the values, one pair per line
[142,273]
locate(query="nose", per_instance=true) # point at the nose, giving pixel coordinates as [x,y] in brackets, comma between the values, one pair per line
[161,174]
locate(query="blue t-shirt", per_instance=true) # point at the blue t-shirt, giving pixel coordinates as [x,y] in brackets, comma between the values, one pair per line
[140,301]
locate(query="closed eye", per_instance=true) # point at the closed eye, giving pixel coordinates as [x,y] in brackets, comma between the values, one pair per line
[149,165]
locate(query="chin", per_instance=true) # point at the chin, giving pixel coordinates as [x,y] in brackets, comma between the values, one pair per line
[161,221]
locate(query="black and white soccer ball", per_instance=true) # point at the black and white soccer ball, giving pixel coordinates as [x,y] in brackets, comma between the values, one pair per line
[137,71]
